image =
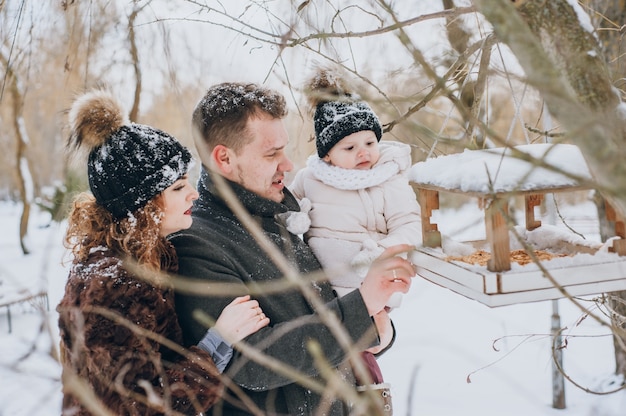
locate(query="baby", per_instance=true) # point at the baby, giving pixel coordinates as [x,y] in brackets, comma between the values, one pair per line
[357,188]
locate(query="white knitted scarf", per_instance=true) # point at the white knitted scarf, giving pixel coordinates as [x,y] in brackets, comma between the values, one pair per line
[351,179]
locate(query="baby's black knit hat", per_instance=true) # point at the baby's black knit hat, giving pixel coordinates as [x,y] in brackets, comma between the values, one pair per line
[129,163]
[338,113]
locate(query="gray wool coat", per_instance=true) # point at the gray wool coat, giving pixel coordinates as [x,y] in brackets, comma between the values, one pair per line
[218,248]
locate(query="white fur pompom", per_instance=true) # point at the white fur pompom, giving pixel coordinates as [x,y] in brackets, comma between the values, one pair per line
[298,222]
[305,205]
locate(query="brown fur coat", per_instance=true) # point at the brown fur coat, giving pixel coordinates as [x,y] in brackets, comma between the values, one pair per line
[129,372]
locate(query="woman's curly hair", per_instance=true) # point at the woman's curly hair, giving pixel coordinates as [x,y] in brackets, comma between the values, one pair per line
[138,235]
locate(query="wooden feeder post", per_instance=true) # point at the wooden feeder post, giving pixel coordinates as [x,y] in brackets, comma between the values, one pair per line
[558,382]
[619,245]
[498,235]
[558,379]
[429,201]
[532,200]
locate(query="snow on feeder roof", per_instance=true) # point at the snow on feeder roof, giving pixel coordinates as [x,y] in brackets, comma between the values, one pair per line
[498,170]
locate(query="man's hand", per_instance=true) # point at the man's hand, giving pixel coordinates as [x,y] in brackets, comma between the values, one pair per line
[388,274]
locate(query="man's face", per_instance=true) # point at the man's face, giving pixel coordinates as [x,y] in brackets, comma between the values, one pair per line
[261,165]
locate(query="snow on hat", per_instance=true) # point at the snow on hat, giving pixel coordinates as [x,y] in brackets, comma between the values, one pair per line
[129,163]
[338,113]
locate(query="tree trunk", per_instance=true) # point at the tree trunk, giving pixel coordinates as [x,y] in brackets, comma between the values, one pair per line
[610,16]
[134,55]
[471,90]
[23,170]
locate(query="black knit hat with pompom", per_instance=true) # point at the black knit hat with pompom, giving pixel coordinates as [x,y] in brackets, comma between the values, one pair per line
[338,113]
[129,163]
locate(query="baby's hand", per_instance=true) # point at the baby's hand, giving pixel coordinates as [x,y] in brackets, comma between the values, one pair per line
[364,258]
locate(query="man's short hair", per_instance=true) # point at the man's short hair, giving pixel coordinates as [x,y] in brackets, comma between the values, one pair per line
[222,114]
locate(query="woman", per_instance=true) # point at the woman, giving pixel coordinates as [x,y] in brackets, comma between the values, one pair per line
[119,332]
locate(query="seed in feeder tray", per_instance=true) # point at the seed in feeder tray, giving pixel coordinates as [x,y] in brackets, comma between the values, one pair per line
[481,257]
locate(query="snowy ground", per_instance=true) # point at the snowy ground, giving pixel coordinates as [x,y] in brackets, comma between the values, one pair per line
[444,341]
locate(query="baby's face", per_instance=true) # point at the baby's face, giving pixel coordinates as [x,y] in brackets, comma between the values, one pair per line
[356,151]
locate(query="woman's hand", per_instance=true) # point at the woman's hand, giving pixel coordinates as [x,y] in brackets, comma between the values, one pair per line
[240,318]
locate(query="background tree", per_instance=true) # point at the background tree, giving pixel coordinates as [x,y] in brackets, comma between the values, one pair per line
[23,166]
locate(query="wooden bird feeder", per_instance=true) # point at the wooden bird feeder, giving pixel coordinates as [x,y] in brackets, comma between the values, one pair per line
[494,176]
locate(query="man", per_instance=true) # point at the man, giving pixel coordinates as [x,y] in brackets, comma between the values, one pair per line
[240,136]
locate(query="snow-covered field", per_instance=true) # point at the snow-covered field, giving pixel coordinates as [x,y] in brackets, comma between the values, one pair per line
[452,356]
